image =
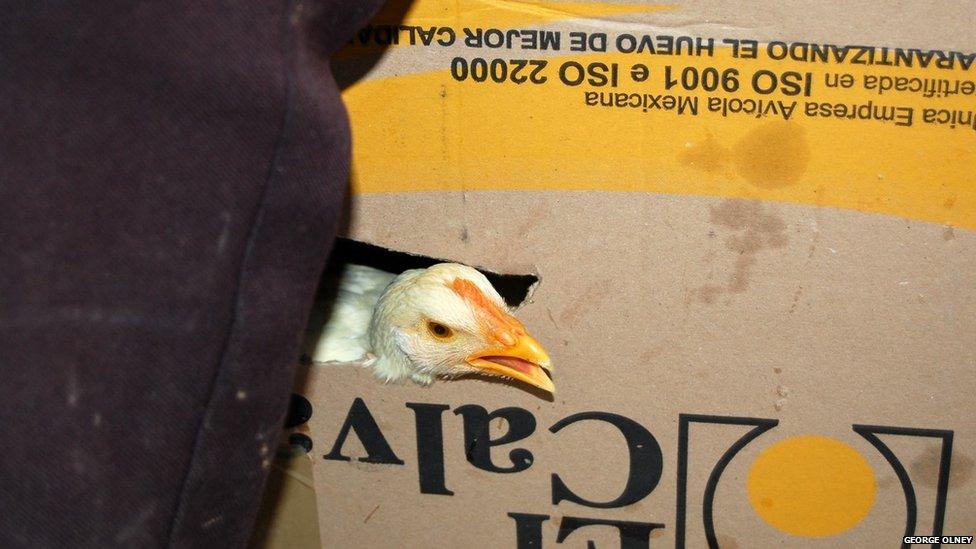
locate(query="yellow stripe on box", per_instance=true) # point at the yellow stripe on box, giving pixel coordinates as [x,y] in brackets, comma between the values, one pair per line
[428,132]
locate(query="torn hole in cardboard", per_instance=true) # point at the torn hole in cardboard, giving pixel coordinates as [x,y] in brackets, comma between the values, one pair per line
[515,289]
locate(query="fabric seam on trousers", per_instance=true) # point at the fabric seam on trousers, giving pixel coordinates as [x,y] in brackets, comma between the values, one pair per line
[287,59]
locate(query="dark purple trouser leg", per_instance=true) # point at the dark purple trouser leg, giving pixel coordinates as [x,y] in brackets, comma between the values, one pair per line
[171,175]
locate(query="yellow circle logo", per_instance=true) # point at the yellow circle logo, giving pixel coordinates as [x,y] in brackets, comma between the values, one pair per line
[811,486]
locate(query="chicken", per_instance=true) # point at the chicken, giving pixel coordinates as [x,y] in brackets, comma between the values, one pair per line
[444,321]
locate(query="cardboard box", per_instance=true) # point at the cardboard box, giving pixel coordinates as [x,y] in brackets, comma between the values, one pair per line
[752,228]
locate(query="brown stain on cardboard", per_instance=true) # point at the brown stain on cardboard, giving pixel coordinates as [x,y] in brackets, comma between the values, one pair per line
[531,221]
[571,314]
[502,242]
[649,355]
[709,293]
[796,299]
[753,228]
[774,155]
[925,468]
[709,155]
[948,233]
[655,351]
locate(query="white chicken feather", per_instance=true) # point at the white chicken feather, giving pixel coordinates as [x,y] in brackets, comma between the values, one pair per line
[344,336]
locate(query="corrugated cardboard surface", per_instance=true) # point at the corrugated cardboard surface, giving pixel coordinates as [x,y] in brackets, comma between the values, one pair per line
[837,292]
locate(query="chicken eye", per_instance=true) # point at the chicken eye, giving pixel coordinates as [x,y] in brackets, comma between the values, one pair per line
[439,330]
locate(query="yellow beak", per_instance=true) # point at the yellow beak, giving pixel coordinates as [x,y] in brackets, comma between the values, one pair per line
[525,361]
